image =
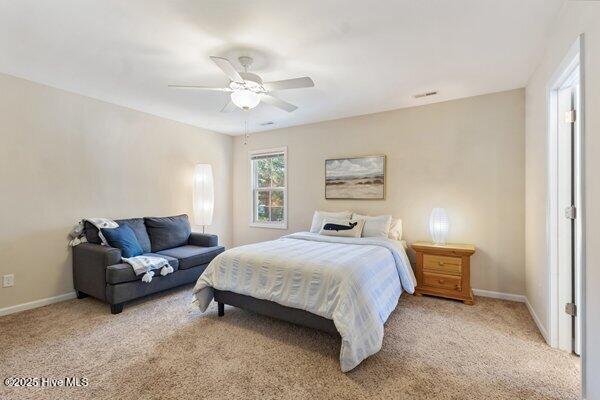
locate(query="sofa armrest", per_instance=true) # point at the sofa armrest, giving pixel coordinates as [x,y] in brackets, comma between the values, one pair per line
[96,253]
[203,239]
[89,267]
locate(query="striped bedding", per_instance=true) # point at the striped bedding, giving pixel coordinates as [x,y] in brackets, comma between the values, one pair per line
[356,282]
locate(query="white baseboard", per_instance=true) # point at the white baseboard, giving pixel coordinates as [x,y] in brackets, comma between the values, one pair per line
[37,303]
[538,322]
[500,295]
[515,297]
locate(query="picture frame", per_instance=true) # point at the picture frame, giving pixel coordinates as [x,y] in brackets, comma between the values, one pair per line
[355,178]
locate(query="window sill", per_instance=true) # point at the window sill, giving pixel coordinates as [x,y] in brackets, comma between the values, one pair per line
[267,225]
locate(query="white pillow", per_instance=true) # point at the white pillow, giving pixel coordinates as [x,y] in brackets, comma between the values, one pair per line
[319,216]
[342,227]
[396,229]
[375,226]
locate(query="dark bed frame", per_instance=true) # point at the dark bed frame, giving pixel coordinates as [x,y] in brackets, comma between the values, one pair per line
[274,310]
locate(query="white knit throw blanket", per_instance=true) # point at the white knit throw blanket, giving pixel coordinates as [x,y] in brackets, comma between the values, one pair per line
[77,235]
[146,265]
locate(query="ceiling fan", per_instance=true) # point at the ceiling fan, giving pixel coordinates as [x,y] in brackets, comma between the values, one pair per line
[247,90]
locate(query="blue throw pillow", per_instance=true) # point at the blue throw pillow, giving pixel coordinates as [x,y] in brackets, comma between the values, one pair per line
[123,238]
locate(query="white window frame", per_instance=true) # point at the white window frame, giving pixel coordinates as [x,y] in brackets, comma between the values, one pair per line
[253,189]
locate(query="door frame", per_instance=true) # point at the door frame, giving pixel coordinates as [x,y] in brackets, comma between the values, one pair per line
[573,60]
[570,64]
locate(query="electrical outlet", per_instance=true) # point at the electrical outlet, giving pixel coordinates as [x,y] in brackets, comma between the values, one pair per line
[8,280]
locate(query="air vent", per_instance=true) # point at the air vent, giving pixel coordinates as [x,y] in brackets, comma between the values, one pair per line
[267,123]
[426,94]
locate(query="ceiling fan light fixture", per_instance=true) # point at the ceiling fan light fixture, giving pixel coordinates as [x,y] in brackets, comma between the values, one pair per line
[247,90]
[245,99]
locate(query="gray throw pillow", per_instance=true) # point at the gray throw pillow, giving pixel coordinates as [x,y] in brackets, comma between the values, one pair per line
[136,224]
[139,228]
[168,232]
[91,233]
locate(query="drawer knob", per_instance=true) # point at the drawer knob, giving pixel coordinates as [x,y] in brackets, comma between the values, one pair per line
[441,263]
[457,287]
[441,281]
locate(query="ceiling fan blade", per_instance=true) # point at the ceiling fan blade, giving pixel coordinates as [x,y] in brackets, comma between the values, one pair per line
[228,68]
[274,101]
[295,83]
[229,107]
[201,88]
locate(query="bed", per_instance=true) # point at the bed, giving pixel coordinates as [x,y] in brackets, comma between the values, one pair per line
[345,286]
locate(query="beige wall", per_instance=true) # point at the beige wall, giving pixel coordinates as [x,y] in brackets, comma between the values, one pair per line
[64,156]
[465,155]
[575,18]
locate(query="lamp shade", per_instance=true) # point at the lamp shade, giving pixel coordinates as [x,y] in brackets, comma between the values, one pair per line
[245,99]
[204,194]
[438,225]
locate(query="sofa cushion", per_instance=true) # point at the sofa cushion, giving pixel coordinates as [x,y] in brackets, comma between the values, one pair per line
[139,228]
[91,233]
[203,239]
[119,273]
[190,256]
[123,238]
[136,224]
[167,232]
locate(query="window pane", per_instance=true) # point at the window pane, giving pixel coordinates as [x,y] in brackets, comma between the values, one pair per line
[262,168]
[263,198]
[276,198]
[277,171]
[263,213]
[277,214]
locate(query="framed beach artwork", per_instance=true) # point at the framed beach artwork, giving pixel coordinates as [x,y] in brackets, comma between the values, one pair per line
[360,178]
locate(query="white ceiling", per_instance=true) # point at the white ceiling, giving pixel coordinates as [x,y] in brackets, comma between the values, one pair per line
[364,56]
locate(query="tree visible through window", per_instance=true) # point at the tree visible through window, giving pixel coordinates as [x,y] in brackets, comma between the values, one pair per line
[269,188]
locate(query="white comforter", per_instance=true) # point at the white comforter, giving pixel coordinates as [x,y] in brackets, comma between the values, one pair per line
[356,282]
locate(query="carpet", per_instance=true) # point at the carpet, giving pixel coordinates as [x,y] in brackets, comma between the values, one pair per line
[161,348]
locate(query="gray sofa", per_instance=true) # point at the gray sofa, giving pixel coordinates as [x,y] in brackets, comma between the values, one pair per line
[99,272]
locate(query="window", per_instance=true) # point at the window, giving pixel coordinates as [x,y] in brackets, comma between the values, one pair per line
[269,188]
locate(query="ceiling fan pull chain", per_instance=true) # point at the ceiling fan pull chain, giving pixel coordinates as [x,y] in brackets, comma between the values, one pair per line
[246,135]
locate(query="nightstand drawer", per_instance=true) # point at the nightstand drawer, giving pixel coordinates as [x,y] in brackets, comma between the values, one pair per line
[442,264]
[447,282]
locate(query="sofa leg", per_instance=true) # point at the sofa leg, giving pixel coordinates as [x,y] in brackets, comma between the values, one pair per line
[221,307]
[116,308]
[80,294]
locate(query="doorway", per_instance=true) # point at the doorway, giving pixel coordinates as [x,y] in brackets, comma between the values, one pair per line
[565,217]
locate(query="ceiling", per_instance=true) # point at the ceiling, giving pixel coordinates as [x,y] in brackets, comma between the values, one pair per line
[364,56]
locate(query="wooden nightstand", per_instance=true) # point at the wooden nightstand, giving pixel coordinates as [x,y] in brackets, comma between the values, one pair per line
[444,270]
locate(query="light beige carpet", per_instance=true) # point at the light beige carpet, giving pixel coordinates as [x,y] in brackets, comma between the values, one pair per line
[160,348]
